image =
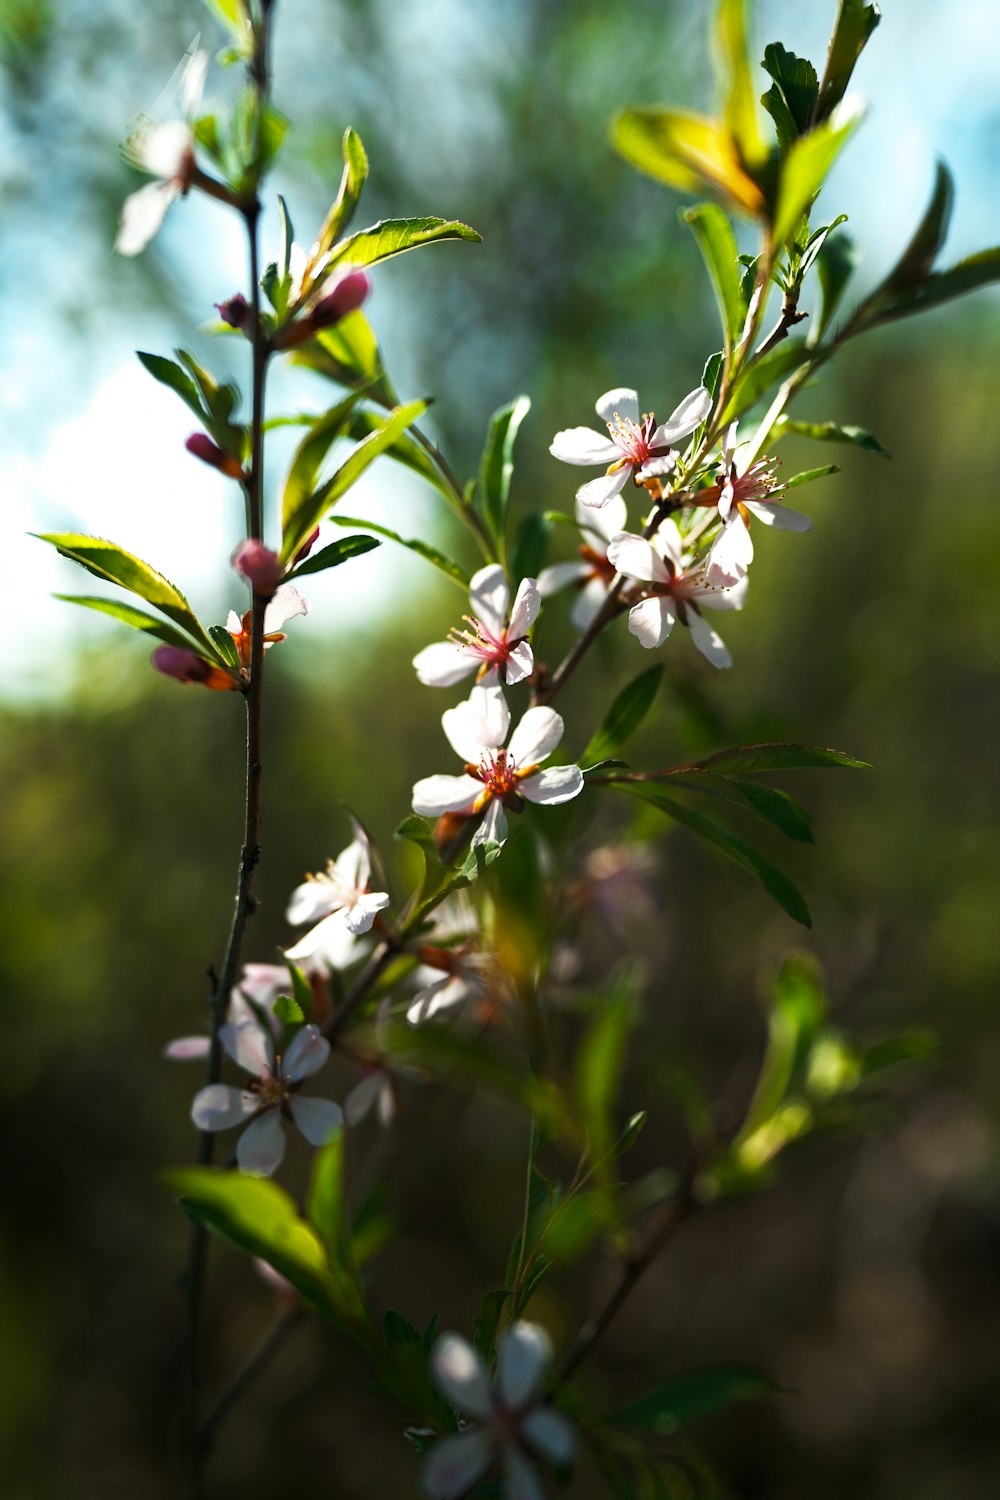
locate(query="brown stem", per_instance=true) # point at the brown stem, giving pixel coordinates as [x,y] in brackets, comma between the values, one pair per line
[272,1341]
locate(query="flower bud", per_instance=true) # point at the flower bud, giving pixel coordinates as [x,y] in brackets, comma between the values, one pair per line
[306,547]
[201,445]
[182,665]
[235,311]
[346,296]
[258,565]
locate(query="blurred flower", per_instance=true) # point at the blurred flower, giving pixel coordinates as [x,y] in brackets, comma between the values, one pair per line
[752,493]
[201,446]
[286,604]
[166,152]
[618,883]
[340,895]
[594,573]
[252,999]
[496,777]
[270,1093]
[510,1427]
[377,1089]
[636,449]
[448,977]
[675,593]
[492,642]
[343,292]
[235,311]
[258,565]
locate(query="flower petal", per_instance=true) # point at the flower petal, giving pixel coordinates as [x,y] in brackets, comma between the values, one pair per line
[161,150]
[520,664]
[637,558]
[527,601]
[658,468]
[435,795]
[353,866]
[708,640]
[731,596]
[582,445]
[560,575]
[461,1375]
[479,723]
[730,554]
[328,945]
[219,1107]
[443,664]
[454,1464]
[589,601]
[489,597]
[250,1047]
[623,401]
[520,1481]
[447,991]
[361,913]
[260,1150]
[142,214]
[691,412]
[312,900]
[493,828]
[286,604]
[193,81]
[525,1352]
[554,784]
[598,492]
[319,1120]
[362,1098]
[550,1434]
[669,543]
[651,621]
[608,521]
[781,517]
[262,983]
[186,1048]
[307,1054]
[537,735]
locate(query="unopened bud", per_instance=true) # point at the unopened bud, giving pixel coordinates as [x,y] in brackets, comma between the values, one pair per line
[210,453]
[306,547]
[182,665]
[235,311]
[258,565]
[345,296]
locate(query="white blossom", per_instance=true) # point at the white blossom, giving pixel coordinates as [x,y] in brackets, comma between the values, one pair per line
[338,898]
[636,447]
[754,492]
[491,641]
[166,152]
[594,573]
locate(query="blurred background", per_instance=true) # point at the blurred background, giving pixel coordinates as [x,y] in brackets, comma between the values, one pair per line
[868,1281]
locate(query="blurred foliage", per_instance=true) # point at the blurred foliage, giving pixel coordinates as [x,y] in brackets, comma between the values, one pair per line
[865,1283]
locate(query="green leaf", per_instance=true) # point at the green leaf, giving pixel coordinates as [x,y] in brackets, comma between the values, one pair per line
[740,104]
[792,97]
[774,881]
[393,236]
[808,475]
[335,554]
[717,243]
[302,991]
[917,260]
[352,181]
[307,460]
[348,354]
[763,372]
[688,1397]
[413,544]
[909,1046]
[969,275]
[834,432]
[288,1010]
[111,562]
[805,168]
[625,715]
[485,1325]
[835,267]
[235,18]
[775,807]
[326,1205]
[686,151]
[226,647]
[177,379]
[404,450]
[128,615]
[530,548]
[496,466]
[257,1216]
[854,25]
[796,1014]
[397,1330]
[576,1222]
[311,508]
[746,760]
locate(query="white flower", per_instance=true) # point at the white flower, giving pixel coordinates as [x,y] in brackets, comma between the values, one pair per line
[270,1092]
[674,592]
[510,1427]
[496,777]
[492,642]
[166,152]
[286,604]
[377,1089]
[636,449]
[452,978]
[593,574]
[741,495]
[339,896]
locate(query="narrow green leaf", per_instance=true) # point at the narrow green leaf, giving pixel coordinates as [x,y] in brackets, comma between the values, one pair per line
[326,1204]
[909,1046]
[335,554]
[835,266]
[917,260]
[307,460]
[746,760]
[226,647]
[287,237]
[968,275]
[109,561]
[740,104]
[531,546]
[496,466]
[177,379]
[404,450]
[399,1330]
[805,169]
[485,1325]
[689,1397]
[413,544]
[835,432]
[808,475]
[393,236]
[796,1013]
[774,881]
[717,243]
[792,97]
[773,806]
[625,715]
[128,615]
[687,151]
[350,355]
[352,181]
[854,25]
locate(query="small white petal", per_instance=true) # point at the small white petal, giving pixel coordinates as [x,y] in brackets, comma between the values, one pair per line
[193,81]
[250,1047]
[142,214]
[520,664]
[598,492]
[260,1150]
[520,1481]
[307,1054]
[353,866]
[651,621]
[731,597]
[319,1120]
[445,993]
[731,553]
[312,900]
[668,542]
[537,735]
[527,601]
[262,983]
[493,828]
[525,1352]
[692,411]
[489,597]
[361,914]
[162,149]
[550,1434]
[233,623]
[708,640]
[582,445]
[623,402]
[186,1048]
[554,784]
[286,604]
[436,795]
[455,1463]
[443,664]
[589,602]
[326,946]
[560,575]
[727,496]
[637,558]
[781,517]
[479,723]
[219,1107]
[361,1099]
[462,1376]
[658,468]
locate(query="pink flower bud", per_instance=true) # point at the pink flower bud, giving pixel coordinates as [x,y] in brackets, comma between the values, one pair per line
[258,565]
[182,665]
[345,296]
[307,546]
[201,445]
[235,311]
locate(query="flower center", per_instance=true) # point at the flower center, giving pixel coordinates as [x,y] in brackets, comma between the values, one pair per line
[478,640]
[272,1090]
[631,438]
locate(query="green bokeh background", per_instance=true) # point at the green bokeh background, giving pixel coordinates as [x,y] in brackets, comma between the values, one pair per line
[868,1282]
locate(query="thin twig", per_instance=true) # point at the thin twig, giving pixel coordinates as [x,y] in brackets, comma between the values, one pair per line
[272,1341]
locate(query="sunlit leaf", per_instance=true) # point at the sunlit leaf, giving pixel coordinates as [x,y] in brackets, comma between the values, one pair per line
[686,151]
[352,181]
[415,544]
[128,615]
[805,168]
[792,96]
[393,236]
[496,466]
[335,554]
[717,243]
[177,379]
[739,95]
[834,432]
[854,25]
[808,475]
[307,460]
